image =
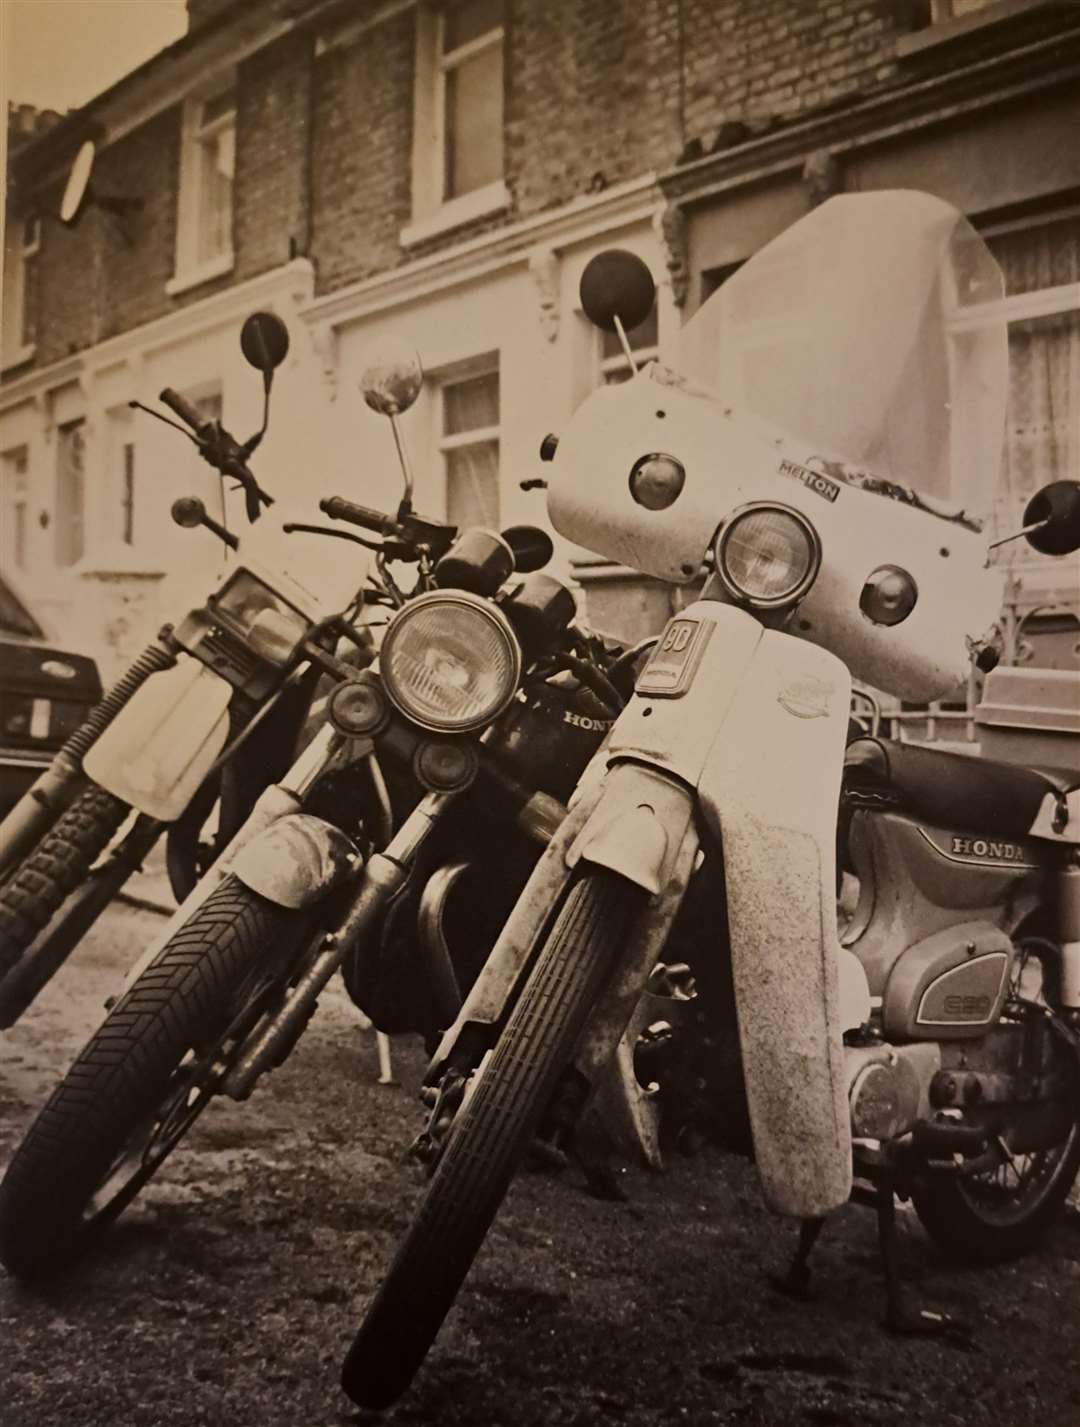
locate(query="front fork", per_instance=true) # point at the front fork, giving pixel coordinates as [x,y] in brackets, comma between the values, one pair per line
[382,877]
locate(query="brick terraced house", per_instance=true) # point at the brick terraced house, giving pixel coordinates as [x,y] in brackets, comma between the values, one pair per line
[444,171]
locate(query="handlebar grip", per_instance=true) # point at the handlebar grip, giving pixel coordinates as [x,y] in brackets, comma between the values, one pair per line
[338,508]
[181,407]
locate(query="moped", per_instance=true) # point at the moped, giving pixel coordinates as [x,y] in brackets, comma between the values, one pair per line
[827,399]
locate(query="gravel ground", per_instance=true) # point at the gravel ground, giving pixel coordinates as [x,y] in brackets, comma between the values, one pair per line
[228,1293]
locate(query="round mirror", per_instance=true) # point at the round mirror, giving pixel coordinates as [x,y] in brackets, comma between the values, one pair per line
[264,341]
[617,284]
[532,547]
[1059,505]
[392,377]
[77,188]
[188,511]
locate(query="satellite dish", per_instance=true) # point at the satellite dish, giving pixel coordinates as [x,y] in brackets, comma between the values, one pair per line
[77,189]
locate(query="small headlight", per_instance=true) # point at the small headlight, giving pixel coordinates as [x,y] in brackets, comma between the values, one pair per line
[450,661]
[270,626]
[889,595]
[767,555]
[656,481]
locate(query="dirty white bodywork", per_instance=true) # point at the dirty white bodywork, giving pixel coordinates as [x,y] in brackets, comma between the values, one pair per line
[759,732]
[730,459]
[162,744]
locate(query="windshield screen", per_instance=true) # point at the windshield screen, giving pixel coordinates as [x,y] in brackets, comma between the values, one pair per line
[868,329]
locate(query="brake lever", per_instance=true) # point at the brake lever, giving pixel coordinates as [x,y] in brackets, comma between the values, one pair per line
[293,525]
[139,406]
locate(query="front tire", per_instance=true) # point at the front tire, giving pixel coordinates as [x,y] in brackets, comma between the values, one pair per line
[493,1130]
[139,1083]
[60,862]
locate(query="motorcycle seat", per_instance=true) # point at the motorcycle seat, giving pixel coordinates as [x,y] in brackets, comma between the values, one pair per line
[952,790]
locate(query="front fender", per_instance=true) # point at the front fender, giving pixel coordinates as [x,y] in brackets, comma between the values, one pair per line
[296,860]
[159,748]
[769,791]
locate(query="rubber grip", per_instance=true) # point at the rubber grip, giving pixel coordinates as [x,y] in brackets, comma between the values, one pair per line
[181,407]
[338,508]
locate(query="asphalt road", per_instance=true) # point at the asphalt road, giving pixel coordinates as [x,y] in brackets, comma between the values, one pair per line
[227,1295]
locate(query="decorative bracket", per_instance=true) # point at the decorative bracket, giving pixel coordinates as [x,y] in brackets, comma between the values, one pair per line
[544,265]
[669,225]
[823,175]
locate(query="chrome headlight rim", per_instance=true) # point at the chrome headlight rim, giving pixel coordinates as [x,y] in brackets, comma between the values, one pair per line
[496,618]
[786,598]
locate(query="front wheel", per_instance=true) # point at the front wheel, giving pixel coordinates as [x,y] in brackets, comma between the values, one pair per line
[493,1130]
[60,862]
[141,1080]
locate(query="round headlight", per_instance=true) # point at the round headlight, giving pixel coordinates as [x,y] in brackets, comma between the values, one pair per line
[767,555]
[889,595]
[450,661]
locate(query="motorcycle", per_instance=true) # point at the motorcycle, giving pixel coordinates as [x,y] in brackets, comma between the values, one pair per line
[445,759]
[929,1047]
[202,720]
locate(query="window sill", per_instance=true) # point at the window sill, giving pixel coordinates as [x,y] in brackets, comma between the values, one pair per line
[18,357]
[964,25]
[192,277]
[481,203]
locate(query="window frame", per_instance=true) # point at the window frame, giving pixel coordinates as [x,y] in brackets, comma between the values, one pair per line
[445,442]
[943,26]
[618,362]
[63,524]
[16,296]
[432,211]
[15,500]
[195,130]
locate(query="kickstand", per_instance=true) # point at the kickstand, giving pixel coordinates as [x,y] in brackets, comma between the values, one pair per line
[899,1316]
[796,1282]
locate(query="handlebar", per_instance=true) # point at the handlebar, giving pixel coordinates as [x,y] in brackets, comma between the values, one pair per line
[219,448]
[181,407]
[338,508]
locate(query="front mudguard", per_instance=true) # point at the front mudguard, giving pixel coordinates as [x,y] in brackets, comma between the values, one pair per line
[769,792]
[158,750]
[296,860]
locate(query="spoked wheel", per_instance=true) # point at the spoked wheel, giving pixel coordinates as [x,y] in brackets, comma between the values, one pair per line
[143,1078]
[492,1133]
[997,1215]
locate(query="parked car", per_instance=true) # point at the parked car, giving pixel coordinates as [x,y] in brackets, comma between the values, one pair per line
[46,691]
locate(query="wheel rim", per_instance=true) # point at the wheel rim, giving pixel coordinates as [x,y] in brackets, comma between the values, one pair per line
[191,1087]
[190,1090]
[1014,1190]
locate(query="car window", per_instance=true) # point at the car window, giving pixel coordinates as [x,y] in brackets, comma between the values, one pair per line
[15,618]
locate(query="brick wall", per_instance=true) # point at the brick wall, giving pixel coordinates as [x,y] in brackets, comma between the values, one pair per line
[272,131]
[144,165]
[755,59]
[593,95]
[362,128]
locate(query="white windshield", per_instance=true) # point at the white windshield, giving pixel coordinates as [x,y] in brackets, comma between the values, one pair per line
[871,328]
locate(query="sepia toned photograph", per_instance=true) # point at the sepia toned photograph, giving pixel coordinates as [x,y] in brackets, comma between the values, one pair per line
[540,713]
